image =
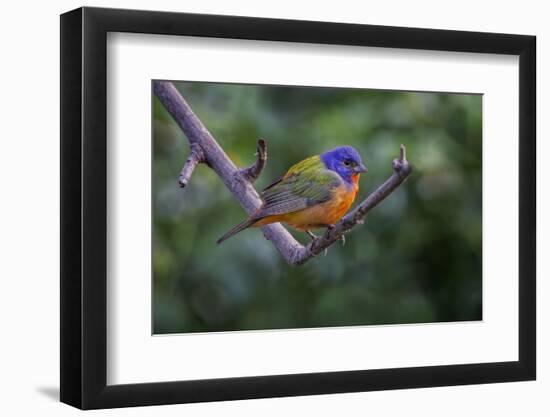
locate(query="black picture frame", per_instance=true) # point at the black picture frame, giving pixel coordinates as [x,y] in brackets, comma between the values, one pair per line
[84,207]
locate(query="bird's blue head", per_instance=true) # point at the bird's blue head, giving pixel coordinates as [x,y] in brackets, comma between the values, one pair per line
[344,160]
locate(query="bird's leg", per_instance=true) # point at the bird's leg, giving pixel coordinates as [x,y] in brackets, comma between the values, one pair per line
[312,235]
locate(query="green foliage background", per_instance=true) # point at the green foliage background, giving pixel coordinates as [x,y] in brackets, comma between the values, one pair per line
[416,259]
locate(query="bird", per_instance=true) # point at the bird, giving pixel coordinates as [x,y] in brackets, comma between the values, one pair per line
[313,194]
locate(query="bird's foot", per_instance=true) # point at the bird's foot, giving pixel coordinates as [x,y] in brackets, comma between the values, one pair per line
[343,240]
[326,252]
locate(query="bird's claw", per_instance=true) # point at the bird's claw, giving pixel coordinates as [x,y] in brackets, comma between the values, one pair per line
[313,236]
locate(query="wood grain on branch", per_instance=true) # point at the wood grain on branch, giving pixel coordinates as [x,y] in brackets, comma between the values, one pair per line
[205,149]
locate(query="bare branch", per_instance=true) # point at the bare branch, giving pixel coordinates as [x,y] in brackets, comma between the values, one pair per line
[195,157]
[204,148]
[253,171]
[217,159]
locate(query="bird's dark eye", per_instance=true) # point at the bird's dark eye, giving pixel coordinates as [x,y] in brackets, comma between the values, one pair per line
[349,163]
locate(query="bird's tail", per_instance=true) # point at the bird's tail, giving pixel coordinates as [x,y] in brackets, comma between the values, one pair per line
[238,228]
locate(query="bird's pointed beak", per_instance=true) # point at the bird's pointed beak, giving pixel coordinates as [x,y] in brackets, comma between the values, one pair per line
[360,169]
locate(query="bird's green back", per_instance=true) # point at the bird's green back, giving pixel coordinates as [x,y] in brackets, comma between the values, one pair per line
[305,184]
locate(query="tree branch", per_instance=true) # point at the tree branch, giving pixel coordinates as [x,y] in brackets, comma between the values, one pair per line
[205,149]
[195,157]
[216,158]
[253,171]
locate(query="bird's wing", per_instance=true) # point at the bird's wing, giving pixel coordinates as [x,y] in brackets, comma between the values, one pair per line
[305,184]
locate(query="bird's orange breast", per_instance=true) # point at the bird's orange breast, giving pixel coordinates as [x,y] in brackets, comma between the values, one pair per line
[340,203]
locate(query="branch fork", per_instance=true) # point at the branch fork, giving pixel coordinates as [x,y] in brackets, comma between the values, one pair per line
[205,149]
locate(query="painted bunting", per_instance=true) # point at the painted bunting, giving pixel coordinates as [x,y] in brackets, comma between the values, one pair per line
[314,193]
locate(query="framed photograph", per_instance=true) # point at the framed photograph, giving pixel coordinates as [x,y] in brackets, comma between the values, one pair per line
[258,208]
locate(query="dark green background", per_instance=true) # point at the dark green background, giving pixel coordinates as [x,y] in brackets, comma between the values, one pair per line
[416,259]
